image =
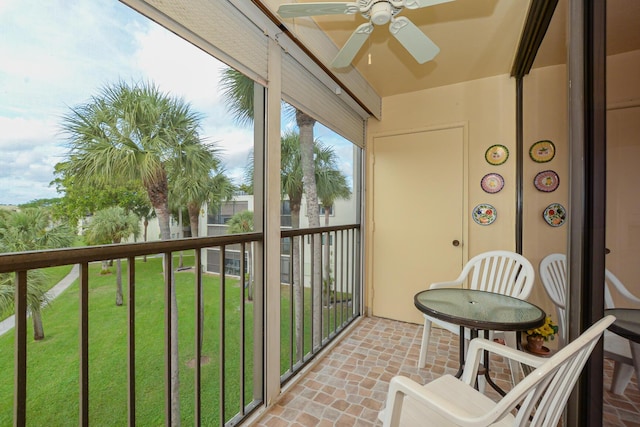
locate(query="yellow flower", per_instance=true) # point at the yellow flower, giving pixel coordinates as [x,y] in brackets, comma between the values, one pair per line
[546,331]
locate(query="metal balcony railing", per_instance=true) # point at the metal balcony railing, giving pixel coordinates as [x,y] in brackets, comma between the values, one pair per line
[322,297]
[231,387]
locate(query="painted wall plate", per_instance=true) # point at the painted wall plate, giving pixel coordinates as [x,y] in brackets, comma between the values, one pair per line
[492,182]
[542,151]
[546,181]
[555,215]
[496,154]
[484,214]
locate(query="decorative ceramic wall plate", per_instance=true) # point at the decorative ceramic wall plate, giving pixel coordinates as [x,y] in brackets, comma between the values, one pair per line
[542,151]
[546,181]
[484,214]
[496,154]
[555,215]
[492,182]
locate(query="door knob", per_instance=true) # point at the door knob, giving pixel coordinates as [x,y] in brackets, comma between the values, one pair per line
[456,243]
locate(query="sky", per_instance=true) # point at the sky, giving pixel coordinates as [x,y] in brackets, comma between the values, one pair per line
[56,54]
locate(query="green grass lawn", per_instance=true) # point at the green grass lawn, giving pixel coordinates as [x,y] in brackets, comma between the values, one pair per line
[52,383]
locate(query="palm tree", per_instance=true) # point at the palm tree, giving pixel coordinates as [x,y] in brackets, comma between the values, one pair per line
[37,298]
[27,230]
[112,225]
[242,222]
[208,188]
[307,149]
[238,89]
[137,133]
[145,213]
[329,179]
[332,185]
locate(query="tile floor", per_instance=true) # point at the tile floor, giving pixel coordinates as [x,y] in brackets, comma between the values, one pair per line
[349,385]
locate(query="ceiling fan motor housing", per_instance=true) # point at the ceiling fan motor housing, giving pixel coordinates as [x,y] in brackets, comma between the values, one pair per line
[380,12]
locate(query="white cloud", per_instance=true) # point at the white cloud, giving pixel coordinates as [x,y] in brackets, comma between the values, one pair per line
[57,53]
[178,66]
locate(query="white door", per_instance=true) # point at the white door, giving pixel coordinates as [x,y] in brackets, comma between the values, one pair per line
[417,216]
[623,190]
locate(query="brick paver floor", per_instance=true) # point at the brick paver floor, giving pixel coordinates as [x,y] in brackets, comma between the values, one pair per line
[348,386]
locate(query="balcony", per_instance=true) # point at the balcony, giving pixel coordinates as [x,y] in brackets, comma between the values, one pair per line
[340,379]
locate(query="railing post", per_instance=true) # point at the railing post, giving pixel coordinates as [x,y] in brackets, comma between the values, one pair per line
[84,344]
[20,376]
[131,337]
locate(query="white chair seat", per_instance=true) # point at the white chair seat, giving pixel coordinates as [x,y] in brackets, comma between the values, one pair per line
[449,389]
[540,397]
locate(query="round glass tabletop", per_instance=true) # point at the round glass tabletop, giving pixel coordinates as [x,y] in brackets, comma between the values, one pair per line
[479,309]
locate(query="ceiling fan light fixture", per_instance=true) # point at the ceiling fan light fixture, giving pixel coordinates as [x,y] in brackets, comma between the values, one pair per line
[381,13]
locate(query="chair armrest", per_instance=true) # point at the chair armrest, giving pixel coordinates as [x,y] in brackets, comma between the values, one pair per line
[400,386]
[479,345]
[451,284]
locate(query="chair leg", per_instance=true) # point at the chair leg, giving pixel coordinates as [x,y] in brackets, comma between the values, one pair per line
[514,367]
[426,334]
[621,377]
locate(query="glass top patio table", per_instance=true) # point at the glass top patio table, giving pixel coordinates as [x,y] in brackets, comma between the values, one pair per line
[477,309]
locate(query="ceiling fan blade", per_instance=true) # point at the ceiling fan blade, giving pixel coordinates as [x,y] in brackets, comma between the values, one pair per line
[352,46]
[295,10]
[416,4]
[415,41]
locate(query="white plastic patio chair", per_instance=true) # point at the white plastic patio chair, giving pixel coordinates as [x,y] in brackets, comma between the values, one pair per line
[448,401]
[553,274]
[616,347]
[503,272]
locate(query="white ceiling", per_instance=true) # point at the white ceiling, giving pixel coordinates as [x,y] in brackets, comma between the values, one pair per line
[477,38]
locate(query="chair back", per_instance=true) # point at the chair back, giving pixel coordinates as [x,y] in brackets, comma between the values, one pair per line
[553,274]
[502,272]
[543,394]
[610,280]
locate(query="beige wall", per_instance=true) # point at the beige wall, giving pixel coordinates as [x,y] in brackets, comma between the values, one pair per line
[623,78]
[486,107]
[545,117]
[623,204]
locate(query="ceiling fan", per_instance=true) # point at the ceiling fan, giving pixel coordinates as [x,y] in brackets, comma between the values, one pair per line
[377,12]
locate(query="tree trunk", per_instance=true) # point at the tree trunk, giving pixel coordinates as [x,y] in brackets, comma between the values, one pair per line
[175,359]
[146,227]
[327,259]
[119,282]
[105,267]
[194,218]
[305,125]
[297,281]
[158,195]
[38,329]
